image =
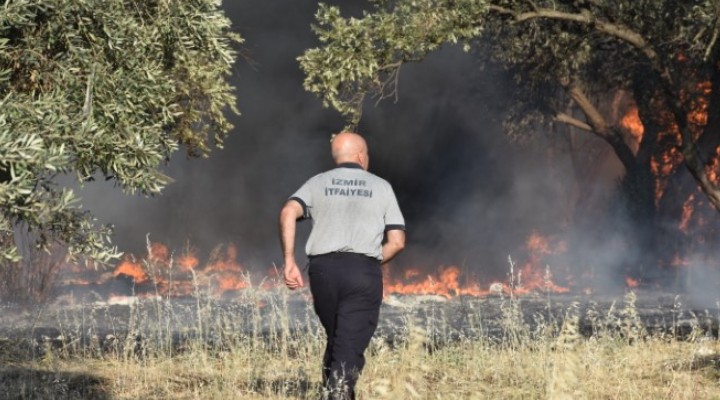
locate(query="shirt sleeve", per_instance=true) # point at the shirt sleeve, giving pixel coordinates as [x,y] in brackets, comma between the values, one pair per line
[304,197]
[393,216]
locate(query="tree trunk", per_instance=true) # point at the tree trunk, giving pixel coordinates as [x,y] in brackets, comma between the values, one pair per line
[638,186]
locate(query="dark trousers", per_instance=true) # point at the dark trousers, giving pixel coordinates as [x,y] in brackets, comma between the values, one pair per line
[347,292]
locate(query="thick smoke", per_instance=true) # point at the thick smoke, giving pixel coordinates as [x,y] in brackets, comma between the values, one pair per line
[470,197]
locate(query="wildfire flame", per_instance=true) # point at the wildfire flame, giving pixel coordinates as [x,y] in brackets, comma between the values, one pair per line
[687,213]
[713,168]
[632,123]
[534,277]
[449,281]
[160,272]
[188,262]
[176,276]
[446,282]
[631,283]
[129,267]
[670,158]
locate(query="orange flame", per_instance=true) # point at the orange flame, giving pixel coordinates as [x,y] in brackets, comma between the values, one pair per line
[699,106]
[188,262]
[226,271]
[225,262]
[159,254]
[713,168]
[446,282]
[222,270]
[631,283]
[449,281]
[632,123]
[662,169]
[670,158]
[132,269]
[227,282]
[687,214]
[532,276]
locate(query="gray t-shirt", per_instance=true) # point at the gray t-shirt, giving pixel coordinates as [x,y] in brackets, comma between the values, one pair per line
[350,209]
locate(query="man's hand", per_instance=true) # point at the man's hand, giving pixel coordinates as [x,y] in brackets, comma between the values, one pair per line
[293,276]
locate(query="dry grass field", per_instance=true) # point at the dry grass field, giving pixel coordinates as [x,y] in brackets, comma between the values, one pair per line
[260,353]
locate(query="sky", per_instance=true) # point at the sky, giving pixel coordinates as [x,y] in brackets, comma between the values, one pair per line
[470,197]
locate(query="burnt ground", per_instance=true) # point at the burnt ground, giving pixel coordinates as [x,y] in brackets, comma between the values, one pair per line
[89,324]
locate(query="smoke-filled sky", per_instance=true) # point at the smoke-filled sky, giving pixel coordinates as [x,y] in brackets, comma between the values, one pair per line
[470,197]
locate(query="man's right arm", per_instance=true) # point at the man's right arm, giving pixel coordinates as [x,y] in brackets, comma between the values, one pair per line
[289,214]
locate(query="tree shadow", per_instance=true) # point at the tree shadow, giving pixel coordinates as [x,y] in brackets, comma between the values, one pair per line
[26,383]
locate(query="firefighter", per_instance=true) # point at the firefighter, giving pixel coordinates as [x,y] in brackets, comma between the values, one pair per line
[357,226]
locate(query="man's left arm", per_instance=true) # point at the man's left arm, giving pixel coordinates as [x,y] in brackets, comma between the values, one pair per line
[395,243]
[394,228]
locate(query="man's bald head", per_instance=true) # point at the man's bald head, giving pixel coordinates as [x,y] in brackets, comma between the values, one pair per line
[349,147]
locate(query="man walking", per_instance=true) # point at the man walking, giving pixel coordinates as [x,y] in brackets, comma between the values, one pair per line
[357,225]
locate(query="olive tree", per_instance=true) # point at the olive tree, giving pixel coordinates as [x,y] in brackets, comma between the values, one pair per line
[107,89]
[570,58]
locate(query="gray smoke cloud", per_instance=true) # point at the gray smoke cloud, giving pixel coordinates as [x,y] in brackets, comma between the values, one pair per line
[470,197]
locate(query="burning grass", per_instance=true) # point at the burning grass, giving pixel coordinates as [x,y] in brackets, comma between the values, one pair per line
[266,344]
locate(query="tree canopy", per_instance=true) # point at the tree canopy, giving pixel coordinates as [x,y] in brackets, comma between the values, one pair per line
[103,89]
[570,58]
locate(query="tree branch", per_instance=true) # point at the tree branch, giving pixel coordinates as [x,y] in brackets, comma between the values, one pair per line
[392,81]
[567,119]
[596,121]
[713,41]
[532,4]
[598,125]
[618,31]
[503,10]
